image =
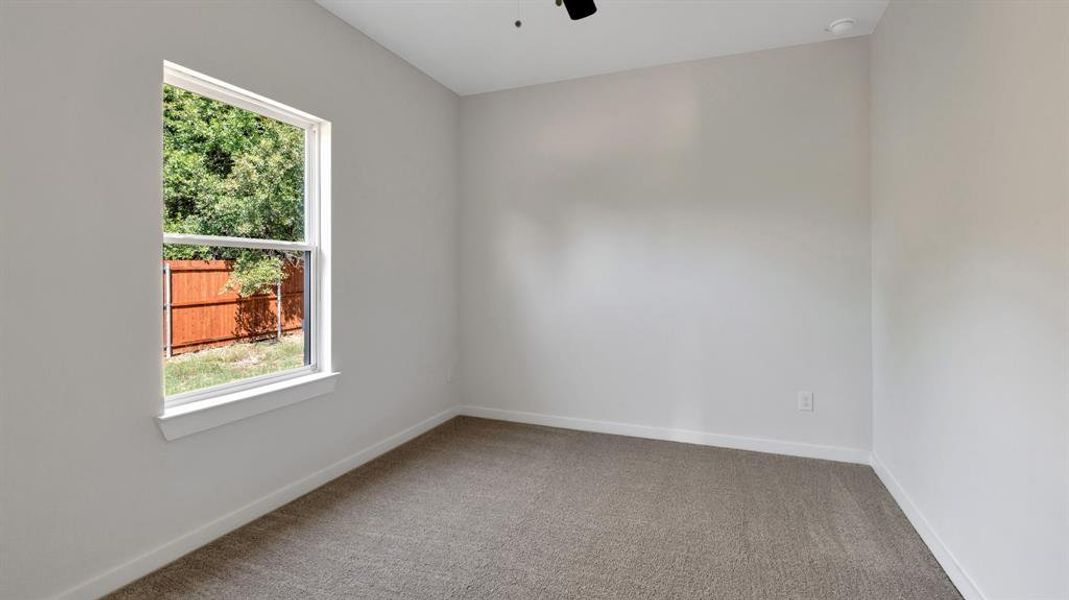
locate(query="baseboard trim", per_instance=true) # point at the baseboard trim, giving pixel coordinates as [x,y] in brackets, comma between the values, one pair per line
[154,559]
[836,453]
[958,576]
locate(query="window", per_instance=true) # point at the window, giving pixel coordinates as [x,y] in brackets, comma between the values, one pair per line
[244,253]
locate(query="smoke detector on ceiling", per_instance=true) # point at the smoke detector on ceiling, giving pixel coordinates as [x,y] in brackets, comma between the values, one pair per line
[840,26]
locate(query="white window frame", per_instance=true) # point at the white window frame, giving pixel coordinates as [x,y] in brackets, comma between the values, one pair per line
[316,244]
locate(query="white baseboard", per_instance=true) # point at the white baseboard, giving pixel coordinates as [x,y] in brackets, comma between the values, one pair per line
[836,453]
[965,584]
[175,549]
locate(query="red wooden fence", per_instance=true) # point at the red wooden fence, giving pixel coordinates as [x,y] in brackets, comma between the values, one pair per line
[203,313]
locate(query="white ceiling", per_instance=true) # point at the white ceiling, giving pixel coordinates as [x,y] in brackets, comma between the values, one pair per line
[472,46]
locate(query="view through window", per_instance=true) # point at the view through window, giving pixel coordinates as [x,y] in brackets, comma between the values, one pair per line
[238,255]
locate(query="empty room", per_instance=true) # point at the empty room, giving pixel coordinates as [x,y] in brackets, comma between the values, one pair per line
[534,299]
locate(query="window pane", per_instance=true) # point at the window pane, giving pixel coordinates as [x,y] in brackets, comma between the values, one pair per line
[223,321]
[228,171]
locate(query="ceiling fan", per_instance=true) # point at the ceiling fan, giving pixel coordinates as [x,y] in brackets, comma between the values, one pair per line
[577,9]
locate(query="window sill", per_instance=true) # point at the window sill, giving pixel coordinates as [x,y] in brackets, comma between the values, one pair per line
[187,419]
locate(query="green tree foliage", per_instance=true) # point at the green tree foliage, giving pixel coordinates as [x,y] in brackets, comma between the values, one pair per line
[231,172]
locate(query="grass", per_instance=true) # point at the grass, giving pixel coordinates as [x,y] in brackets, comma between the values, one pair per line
[196,370]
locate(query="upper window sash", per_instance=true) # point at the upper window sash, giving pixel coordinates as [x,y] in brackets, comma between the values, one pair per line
[190,80]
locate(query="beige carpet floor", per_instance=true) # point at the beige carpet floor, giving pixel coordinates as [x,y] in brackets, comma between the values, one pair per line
[486,509]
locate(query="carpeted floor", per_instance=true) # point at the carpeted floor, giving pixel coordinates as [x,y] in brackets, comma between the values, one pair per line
[486,509]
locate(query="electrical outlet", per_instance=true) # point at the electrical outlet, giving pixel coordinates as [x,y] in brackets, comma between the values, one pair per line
[805,401]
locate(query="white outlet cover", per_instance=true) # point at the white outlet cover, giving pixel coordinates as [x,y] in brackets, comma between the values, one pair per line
[805,401]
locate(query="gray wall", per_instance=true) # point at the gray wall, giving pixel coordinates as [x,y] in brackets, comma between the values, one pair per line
[683,247]
[970,190]
[88,481]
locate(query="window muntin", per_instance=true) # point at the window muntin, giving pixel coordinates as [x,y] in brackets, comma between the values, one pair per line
[241,196]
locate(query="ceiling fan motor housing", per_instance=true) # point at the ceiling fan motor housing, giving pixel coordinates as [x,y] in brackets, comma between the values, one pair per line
[580,9]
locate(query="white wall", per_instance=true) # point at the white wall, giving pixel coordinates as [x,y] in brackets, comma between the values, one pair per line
[87,480]
[683,247]
[970,189]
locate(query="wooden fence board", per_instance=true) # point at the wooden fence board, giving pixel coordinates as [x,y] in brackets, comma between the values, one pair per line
[205,314]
